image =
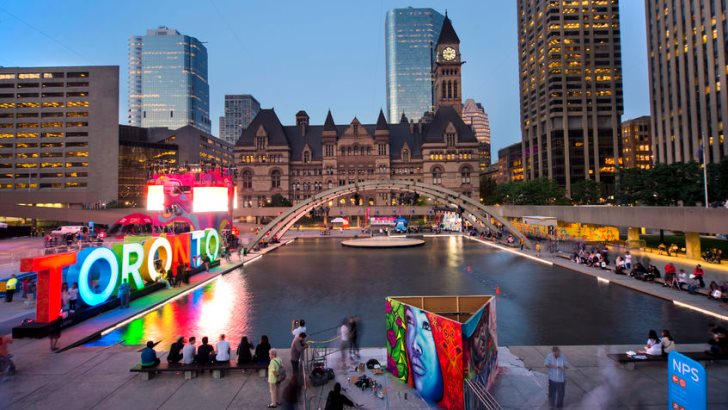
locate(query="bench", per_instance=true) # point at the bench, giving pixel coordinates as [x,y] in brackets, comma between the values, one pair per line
[628,362]
[190,370]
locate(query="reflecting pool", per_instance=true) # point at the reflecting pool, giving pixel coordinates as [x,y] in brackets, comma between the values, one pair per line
[322,282]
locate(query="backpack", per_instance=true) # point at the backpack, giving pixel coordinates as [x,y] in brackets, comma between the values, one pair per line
[281,372]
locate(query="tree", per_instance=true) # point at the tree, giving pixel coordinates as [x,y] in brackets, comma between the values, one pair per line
[488,190]
[718,181]
[542,191]
[278,200]
[586,192]
[663,185]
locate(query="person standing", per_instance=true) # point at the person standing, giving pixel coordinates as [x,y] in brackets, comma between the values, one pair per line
[73,297]
[354,338]
[557,365]
[344,336]
[124,293]
[54,333]
[274,370]
[301,328]
[297,347]
[698,272]
[10,287]
[628,260]
[538,249]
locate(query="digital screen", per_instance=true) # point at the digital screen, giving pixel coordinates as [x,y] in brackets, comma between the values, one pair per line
[155,197]
[209,199]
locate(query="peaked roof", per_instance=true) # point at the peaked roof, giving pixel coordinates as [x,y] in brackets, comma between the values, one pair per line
[447,33]
[329,123]
[382,122]
[272,125]
[445,115]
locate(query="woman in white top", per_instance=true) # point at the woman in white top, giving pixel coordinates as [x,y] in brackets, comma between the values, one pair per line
[653,346]
[667,342]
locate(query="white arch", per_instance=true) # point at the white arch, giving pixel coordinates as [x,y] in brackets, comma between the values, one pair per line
[282,223]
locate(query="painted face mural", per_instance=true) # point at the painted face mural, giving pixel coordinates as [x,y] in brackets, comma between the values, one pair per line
[424,362]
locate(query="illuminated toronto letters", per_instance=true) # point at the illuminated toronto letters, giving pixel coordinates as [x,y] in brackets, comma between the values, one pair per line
[99,271]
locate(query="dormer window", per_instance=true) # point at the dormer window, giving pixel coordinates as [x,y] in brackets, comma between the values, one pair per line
[260,142]
[405,155]
[450,139]
[306,156]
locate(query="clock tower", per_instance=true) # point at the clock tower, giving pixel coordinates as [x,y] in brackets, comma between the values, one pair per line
[448,62]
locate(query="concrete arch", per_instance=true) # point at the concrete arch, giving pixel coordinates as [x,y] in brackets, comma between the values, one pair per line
[482,213]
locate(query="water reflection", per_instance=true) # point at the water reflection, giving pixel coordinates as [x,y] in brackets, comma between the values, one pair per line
[322,282]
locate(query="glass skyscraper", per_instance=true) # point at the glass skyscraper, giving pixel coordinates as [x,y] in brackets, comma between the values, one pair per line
[168,81]
[240,109]
[410,36]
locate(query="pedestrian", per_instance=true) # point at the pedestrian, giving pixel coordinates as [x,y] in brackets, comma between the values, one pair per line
[628,260]
[297,347]
[30,293]
[298,328]
[124,293]
[521,243]
[9,368]
[538,248]
[54,333]
[557,365]
[354,338]
[64,296]
[10,287]
[699,272]
[275,373]
[73,296]
[344,337]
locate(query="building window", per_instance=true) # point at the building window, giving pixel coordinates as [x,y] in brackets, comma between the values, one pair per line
[405,155]
[465,175]
[275,178]
[382,149]
[247,179]
[306,156]
[450,138]
[260,143]
[437,176]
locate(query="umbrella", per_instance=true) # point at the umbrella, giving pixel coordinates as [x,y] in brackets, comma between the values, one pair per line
[339,221]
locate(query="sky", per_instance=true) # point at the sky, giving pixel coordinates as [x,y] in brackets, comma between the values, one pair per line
[313,55]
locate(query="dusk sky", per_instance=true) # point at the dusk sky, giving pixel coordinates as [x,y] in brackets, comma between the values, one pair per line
[293,55]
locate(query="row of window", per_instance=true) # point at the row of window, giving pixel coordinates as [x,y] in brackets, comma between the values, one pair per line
[45,95]
[44,104]
[48,185]
[43,85]
[28,165]
[47,124]
[70,114]
[30,76]
[5,135]
[46,175]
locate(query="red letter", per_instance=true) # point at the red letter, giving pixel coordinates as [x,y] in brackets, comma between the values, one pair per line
[48,290]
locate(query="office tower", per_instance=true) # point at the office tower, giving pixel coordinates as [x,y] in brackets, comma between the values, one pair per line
[58,134]
[510,164]
[410,36]
[168,81]
[240,109]
[571,89]
[474,115]
[636,143]
[687,43]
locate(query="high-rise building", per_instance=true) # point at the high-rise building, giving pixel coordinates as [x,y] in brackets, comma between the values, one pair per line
[570,68]
[474,115]
[168,81]
[510,164]
[687,43]
[410,36]
[636,143]
[58,134]
[240,109]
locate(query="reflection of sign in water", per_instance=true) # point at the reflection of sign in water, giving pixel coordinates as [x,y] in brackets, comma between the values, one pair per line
[686,383]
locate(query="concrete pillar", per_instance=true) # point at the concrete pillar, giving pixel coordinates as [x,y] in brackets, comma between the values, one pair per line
[692,245]
[633,234]
[358,221]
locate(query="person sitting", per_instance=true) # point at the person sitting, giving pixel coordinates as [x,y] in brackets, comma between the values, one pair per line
[719,341]
[222,350]
[693,285]
[204,353]
[661,249]
[714,291]
[653,272]
[175,351]
[673,250]
[667,342]
[188,352]
[244,351]
[682,280]
[653,347]
[336,400]
[638,272]
[262,350]
[149,356]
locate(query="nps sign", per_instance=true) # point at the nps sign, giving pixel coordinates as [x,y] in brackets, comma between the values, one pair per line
[686,383]
[100,271]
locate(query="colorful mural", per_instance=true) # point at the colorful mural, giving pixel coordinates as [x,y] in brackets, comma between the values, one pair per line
[433,354]
[570,232]
[481,345]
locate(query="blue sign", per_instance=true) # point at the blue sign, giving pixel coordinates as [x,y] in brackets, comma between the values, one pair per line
[687,384]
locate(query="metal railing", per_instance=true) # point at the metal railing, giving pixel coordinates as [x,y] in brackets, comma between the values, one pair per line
[478,398]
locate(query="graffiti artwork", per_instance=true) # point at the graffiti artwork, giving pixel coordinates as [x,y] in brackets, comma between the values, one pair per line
[434,353]
[569,232]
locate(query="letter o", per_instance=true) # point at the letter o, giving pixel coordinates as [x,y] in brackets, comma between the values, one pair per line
[212,234]
[109,268]
[164,248]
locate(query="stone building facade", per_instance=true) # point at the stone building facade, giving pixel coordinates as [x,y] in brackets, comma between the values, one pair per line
[299,161]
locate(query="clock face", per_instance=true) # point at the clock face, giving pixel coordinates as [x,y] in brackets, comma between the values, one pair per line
[449,54]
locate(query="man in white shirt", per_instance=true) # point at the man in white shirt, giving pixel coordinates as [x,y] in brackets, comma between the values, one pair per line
[556,364]
[222,349]
[300,329]
[344,335]
[188,352]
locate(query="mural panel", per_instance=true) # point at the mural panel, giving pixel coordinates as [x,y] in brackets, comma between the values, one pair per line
[481,345]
